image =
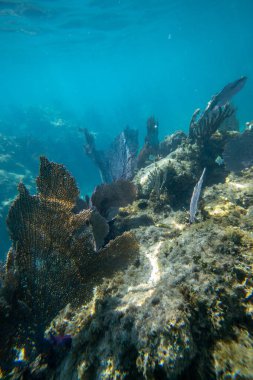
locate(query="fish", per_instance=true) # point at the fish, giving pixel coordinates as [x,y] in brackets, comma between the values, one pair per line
[195,197]
[225,95]
[219,161]
[249,125]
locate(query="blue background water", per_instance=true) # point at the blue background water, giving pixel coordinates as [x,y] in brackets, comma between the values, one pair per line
[111,63]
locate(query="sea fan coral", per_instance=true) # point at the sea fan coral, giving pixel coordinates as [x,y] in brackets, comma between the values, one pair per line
[107,198]
[122,155]
[119,162]
[53,259]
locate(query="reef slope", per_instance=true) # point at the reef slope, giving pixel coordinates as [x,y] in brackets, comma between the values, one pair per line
[184,310]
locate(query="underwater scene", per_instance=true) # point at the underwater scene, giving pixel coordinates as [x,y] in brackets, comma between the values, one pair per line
[126,190]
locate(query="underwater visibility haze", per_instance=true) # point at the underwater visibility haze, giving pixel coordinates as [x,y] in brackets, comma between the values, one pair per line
[126,189]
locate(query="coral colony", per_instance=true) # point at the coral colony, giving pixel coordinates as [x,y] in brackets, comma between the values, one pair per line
[120,284]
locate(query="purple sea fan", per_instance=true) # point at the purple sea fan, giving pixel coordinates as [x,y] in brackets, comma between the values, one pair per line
[195,197]
[122,155]
[107,198]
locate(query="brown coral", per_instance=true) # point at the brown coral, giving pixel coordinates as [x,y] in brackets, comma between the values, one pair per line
[50,242]
[53,258]
[107,198]
[204,126]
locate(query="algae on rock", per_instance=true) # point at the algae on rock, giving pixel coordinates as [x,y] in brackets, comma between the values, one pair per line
[174,314]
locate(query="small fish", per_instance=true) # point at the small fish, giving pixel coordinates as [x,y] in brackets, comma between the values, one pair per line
[195,197]
[249,125]
[219,160]
[228,92]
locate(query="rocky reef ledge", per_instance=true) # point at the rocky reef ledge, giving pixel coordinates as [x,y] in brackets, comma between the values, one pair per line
[120,285]
[184,309]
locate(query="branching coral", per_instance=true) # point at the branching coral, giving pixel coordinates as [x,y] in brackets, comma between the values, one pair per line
[218,109]
[202,128]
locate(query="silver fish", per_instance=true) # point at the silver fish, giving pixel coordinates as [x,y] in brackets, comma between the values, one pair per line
[195,197]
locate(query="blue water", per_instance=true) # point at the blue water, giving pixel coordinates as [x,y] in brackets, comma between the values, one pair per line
[122,60]
[111,63]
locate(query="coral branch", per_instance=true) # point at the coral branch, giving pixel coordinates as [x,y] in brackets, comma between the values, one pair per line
[202,128]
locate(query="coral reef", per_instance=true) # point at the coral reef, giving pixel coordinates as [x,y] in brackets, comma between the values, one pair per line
[184,310]
[233,357]
[171,143]
[121,285]
[175,175]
